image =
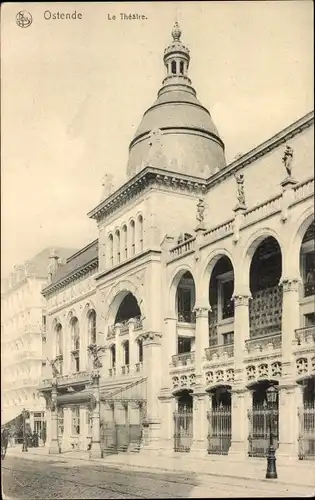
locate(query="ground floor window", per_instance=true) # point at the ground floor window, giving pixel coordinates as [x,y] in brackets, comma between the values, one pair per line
[75,420]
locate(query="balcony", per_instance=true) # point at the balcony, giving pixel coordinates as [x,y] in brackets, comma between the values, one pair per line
[125,370]
[186,317]
[81,377]
[112,372]
[137,324]
[139,367]
[111,334]
[224,351]
[124,327]
[264,343]
[305,337]
[184,359]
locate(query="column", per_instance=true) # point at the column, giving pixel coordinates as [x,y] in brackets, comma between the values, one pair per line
[119,353]
[66,348]
[134,419]
[83,429]
[241,397]
[120,415]
[290,392]
[201,338]
[48,427]
[290,400]
[152,351]
[95,451]
[290,322]
[54,447]
[83,345]
[67,429]
[200,423]
[167,408]
[133,354]
[169,347]
[240,404]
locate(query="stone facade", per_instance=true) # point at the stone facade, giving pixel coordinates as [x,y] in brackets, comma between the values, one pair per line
[197,299]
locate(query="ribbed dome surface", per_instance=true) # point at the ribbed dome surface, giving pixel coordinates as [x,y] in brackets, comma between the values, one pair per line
[177,133]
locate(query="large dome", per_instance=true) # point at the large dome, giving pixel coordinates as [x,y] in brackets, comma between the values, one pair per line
[177,133]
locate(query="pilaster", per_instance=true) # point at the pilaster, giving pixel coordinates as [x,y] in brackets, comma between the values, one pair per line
[290,322]
[67,429]
[290,400]
[201,339]
[200,423]
[169,347]
[241,403]
[133,358]
[239,211]
[287,197]
[167,409]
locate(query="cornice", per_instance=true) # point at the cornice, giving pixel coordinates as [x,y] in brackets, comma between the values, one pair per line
[263,149]
[141,182]
[71,277]
[125,263]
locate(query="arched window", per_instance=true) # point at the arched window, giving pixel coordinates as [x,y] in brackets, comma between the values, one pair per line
[75,336]
[125,241]
[59,348]
[111,250]
[126,352]
[174,67]
[181,66]
[117,245]
[140,232]
[132,239]
[92,327]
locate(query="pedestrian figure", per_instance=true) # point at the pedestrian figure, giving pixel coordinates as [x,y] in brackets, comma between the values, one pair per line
[4,442]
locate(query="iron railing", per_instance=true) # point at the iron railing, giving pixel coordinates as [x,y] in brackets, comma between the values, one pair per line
[219,430]
[306,415]
[259,430]
[183,431]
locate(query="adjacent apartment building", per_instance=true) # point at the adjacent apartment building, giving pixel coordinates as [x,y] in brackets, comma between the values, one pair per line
[22,325]
[198,295]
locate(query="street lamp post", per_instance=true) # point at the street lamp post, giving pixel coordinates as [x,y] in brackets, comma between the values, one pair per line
[271,457]
[25,415]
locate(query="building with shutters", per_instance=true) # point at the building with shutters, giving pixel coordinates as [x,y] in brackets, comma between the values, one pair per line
[165,333]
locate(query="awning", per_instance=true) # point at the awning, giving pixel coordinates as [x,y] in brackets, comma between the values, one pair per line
[9,414]
[74,397]
[129,391]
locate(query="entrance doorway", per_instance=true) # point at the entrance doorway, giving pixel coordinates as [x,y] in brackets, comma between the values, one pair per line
[183,423]
[219,418]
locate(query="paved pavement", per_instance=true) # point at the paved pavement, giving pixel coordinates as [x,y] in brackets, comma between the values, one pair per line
[37,477]
[299,473]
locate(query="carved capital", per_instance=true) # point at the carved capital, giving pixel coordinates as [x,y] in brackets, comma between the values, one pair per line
[241,300]
[149,337]
[201,312]
[290,284]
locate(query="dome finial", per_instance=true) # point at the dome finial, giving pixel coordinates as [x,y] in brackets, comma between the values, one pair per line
[176,33]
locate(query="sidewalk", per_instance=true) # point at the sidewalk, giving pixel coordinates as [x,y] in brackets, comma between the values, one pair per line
[295,474]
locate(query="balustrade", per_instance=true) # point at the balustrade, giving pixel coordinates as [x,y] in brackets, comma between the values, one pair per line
[186,317]
[261,343]
[220,231]
[124,327]
[72,378]
[305,335]
[303,189]
[112,372]
[184,359]
[182,248]
[224,350]
[139,367]
[262,210]
[137,323]
[125,370]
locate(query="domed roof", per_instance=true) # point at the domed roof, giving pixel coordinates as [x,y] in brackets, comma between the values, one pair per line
[188,141]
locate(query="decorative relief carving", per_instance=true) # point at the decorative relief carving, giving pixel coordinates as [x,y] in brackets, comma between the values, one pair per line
[276,369]
[150,336]
[290,284]
[287,159]
[184,381]
[263,370]
[219,376]
[241,300]
[201,312]
[302,366]
[251,372]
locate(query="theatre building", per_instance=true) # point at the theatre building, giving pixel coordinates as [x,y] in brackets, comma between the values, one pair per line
[166,332]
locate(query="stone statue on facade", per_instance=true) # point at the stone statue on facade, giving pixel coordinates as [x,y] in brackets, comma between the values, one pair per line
[94,351]
[54,369]
[107,186]
[200,211]
[240,189]
[287,159]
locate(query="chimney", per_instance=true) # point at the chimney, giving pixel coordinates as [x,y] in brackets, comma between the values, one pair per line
[53,264]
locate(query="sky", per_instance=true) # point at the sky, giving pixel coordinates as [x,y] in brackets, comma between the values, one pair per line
[74,91]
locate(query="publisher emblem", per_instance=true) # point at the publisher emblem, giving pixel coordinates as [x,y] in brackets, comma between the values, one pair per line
[24,19]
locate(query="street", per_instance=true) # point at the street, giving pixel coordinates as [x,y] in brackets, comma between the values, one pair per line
[67,478]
